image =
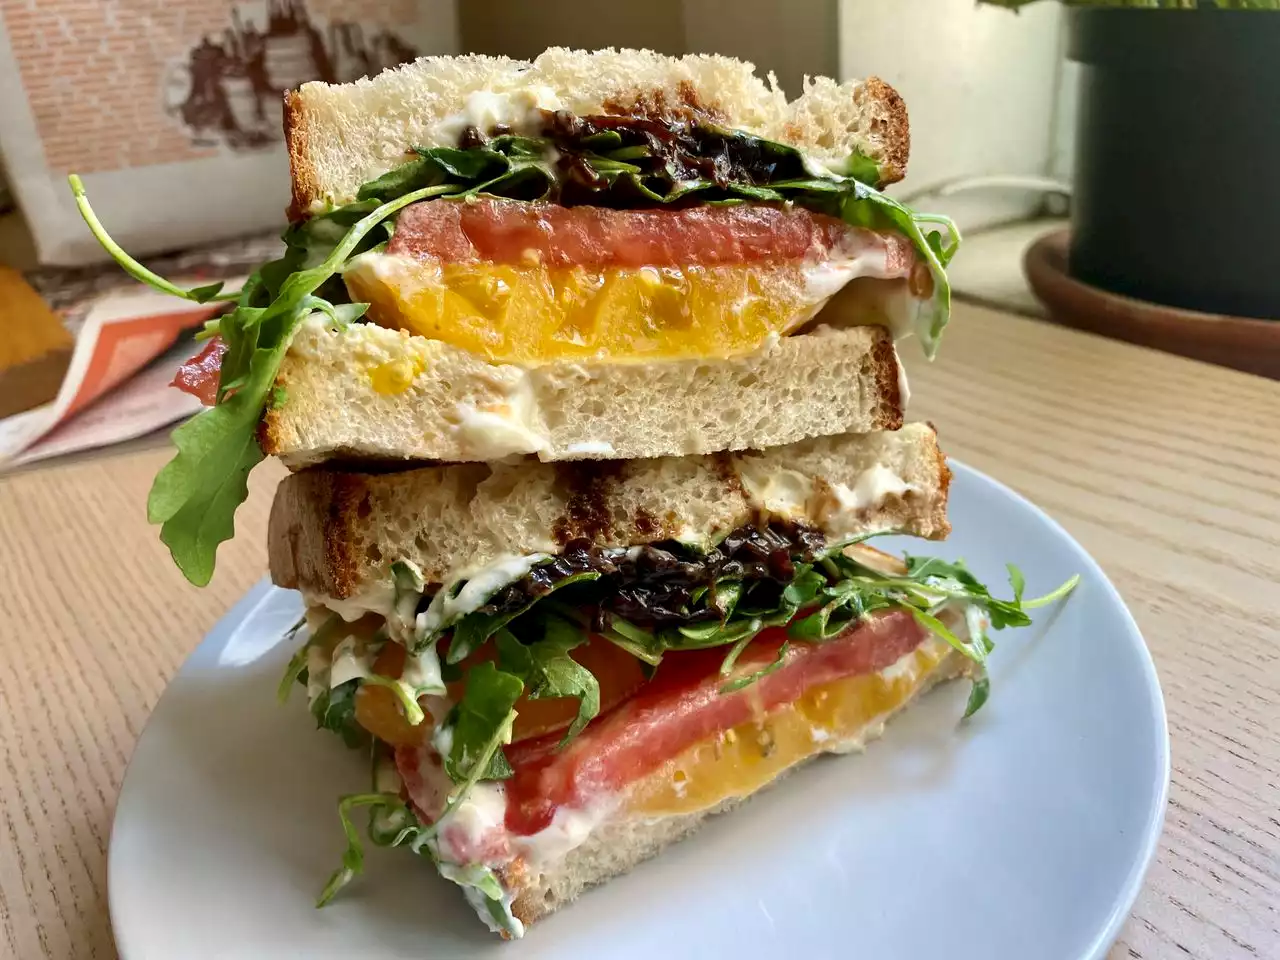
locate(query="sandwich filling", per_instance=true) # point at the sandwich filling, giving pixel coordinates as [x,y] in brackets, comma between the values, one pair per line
[532,283]
[514,712]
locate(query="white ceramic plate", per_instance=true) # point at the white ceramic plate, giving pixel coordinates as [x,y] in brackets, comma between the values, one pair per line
[1023,833]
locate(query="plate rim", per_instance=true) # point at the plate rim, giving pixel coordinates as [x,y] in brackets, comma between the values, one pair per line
[263,590]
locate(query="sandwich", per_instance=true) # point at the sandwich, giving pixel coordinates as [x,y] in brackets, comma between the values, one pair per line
[586,370]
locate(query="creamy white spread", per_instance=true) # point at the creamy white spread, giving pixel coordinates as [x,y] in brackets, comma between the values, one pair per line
[493,435]
[510,426]
[782,492]
[318,663]
[484,110]
[873,486]
[591,448]
[482,811]
[790,495]
[568,830]
[825,279]
[904,391]
[442,740]
[351,661]
[422,671]
[481,904]
[379,598]
[446,608]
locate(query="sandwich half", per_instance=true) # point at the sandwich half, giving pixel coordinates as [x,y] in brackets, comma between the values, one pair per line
[593,255]
[562,668]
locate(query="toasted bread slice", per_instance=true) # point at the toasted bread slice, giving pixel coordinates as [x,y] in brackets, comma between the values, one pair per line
[334,535]
[453,406]
[342,136]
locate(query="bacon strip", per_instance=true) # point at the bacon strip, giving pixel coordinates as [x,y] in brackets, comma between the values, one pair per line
[199,375]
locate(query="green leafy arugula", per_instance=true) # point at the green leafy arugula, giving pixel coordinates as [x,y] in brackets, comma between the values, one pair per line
[548,671]
[486,705]
[335,710]
[392,823]
[473,630]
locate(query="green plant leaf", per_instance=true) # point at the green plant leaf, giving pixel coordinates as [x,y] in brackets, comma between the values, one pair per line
[487,700]
[335,710]
[978,694]
[749,679]
[196,494]
[556,674]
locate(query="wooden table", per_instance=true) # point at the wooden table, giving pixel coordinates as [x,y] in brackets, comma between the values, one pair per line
[1166,470]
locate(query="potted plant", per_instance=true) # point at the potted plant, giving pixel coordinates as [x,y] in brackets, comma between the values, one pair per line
[1176,196]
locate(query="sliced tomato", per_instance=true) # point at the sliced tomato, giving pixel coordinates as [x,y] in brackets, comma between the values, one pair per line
[503,231]
[683,705]
[199,375]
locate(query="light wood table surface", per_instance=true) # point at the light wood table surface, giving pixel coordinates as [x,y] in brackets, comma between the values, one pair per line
[1166,470]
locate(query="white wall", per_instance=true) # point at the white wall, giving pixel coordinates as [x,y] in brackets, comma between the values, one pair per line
[981,88]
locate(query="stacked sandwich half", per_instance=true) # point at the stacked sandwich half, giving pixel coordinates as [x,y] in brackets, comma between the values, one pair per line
[586,369]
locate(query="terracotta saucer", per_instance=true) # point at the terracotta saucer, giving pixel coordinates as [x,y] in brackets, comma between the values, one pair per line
[1242,343]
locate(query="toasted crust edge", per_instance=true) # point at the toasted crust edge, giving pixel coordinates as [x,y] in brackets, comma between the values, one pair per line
[886,367]
[335,500]
[896,130]
[304,182]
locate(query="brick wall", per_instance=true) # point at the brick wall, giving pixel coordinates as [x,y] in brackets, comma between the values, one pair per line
[102,76]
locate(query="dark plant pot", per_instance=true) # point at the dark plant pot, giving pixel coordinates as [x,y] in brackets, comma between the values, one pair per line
[1176,197]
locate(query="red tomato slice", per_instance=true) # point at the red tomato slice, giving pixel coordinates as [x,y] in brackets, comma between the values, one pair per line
[683,706]
[199,375]
[512,232]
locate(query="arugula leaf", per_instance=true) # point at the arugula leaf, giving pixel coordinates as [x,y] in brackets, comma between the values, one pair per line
[549,671]
[978,694]
[647,649]
[196,494]
[353,855]
[830,620]
[478,723]
[1056,594]
[1017,582]
[804,586]
[751,678]
[131,266]
[335,710]
[409,585]
[475,628]
[405,694]
[297,664]
[410,176]
[392,824]
[864,206]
